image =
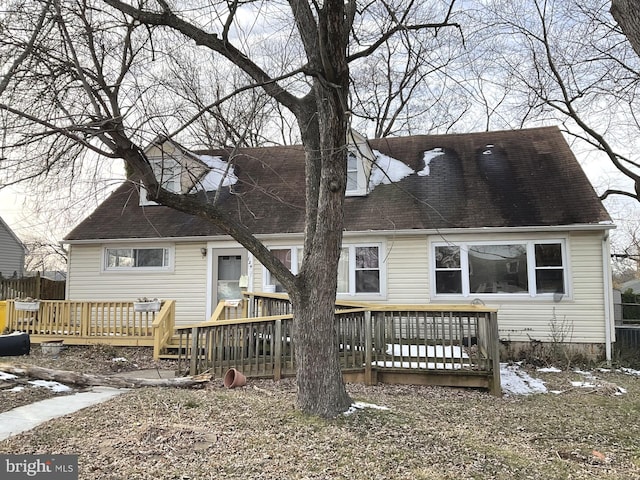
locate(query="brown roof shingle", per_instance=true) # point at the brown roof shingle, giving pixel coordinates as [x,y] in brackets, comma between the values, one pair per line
[495,179]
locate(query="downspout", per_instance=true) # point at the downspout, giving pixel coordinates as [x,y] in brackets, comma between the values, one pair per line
[608,292]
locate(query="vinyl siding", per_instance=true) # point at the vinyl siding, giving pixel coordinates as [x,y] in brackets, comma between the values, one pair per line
[580,314]
[11,253]
[578,317]
[186,284]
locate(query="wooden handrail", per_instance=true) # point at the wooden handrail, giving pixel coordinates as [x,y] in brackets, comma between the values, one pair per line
[163,327]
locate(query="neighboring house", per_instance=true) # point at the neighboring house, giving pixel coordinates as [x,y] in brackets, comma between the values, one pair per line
[633,285]
[12,252]
[505,218]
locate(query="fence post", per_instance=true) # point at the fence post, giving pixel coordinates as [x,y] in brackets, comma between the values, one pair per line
[193,368]
[494,348]
[277,350]
[37,289]
[368,349]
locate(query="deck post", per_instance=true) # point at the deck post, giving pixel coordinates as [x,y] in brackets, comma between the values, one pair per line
[277,350]
[368,349]
[193,368]
[494,348]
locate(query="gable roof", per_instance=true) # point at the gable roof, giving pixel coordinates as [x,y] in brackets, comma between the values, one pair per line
[512,178]
[12,234]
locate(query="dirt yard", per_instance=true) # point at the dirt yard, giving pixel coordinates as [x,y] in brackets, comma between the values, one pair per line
[588,429]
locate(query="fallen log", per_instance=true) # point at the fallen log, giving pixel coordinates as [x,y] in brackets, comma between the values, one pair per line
[88,379]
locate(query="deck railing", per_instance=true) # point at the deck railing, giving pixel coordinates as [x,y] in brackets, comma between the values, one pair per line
[83,322]
[455,345]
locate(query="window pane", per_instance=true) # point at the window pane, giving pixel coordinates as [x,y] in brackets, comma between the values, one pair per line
[548,255]
[284,255]
[447,257]
[120,257]
[367,281]
[366,257]
[550,281]
[498,269]
[149,257]
[352,162]
[343,271]
[449,281]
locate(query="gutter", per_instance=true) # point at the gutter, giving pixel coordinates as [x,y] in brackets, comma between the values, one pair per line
[608,293]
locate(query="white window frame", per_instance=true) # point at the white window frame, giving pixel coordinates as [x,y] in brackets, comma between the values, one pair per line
[531,270]
[382,272]
[169,182]
[168,256]
[361,187]
[295,251]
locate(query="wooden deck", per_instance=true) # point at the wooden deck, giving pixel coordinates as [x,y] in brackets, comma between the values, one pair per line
[412,344]
[94,322]
[453,345]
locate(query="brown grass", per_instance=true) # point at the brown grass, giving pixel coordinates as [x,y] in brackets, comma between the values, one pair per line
[427,433]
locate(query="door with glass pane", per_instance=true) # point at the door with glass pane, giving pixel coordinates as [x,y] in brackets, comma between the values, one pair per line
[229,264]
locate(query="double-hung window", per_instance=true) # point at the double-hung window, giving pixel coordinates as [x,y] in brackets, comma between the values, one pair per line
[145,258]
[360,270]
[526,268]
[291,257]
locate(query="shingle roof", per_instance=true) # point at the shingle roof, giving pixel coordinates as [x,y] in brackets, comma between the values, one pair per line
[494,179]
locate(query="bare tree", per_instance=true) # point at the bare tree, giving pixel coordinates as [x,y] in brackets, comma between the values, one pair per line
[627,14]
[87,82]
[567,62]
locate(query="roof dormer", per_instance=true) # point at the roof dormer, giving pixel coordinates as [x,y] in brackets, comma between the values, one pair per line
[178,170]
[360,161]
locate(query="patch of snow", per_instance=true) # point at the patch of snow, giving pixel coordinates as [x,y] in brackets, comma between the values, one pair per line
[7,376]
[582,372]
[427,157]
[19,388]
[548,370]
[426,351]
[515,381]
[630,371]
[583,384]
[556,392]
[387,170]
[217,176]
[53,386]
[119,360]
[15,332]
[621,391]
[604,370]
[429,365]
[362,405]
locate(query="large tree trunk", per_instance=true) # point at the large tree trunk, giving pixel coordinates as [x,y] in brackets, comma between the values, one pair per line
[323,123]
[627,14]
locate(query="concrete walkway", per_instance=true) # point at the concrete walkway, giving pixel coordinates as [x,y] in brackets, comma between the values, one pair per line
[25,418]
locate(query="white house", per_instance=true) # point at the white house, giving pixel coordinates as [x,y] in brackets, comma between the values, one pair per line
[505,218]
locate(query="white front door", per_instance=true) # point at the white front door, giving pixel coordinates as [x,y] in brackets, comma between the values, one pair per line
[229,264]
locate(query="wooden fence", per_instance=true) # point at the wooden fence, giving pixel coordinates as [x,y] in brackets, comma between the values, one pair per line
[418,344]
[34,287]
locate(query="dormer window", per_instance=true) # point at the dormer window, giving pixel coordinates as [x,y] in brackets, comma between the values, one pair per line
[167,171]
[356,178]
